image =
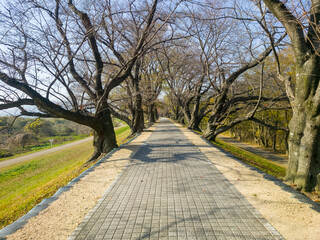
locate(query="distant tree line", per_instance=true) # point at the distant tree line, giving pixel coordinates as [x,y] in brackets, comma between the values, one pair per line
[27,132]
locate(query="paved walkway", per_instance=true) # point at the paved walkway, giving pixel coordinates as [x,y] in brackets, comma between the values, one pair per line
[171,191]
[258,151]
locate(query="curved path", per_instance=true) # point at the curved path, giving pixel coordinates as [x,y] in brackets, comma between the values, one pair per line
[30,156]
[171,191]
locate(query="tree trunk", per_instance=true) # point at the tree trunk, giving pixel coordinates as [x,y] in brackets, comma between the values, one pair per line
[195,120]
[304,140]
[304,147]
[210,135]
[194,123]
[156,113]
[176,113]
[138,117]
[181,120]
[151,113]
[274,140]
[286,142]
[304,153]
[104,136]
[211,129]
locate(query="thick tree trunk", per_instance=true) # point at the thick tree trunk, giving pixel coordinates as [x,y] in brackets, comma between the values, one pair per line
[304,140]
[104,136]
[151,113]
[176,112]
[195,119]
[217,111]
[304,146]
[156,113]
[194,123]
[138,117]
[210,134]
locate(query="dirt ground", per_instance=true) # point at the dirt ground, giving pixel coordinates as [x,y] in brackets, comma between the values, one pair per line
[293,218]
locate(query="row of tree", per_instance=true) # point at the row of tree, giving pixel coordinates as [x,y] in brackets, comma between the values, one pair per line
[212,62]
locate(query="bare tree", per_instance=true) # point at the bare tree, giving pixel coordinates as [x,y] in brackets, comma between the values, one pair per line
[151,86]
[301,22]
[230,93]
[56,57]
[131,106]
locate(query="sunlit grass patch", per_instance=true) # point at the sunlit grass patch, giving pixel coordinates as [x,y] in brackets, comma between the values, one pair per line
[26,184]
[253,159]
[57,141]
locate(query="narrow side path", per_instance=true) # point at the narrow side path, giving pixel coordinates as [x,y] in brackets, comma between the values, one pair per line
[258,151]
[171,191]
[30,156]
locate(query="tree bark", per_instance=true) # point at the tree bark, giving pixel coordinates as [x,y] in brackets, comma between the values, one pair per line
[194,124]
[304,148]
[156,113]
[195,118]
[304,152]
[104,136]
[138,117]
[151,113]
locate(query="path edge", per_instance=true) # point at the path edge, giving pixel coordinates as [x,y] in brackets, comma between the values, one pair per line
[272,230]
[297,194]
[19,223]
[74,234]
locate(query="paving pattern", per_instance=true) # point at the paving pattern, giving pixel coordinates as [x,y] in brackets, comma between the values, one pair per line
[171,191]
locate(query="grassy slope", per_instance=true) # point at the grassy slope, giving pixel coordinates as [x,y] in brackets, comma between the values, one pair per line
[253,159]
[48,145]
[24,185]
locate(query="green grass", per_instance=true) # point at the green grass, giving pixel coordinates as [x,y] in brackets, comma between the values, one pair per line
[24,185]
[59,139]
[122,133]
[253,159]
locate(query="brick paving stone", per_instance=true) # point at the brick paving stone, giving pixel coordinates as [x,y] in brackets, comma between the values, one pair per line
[171,191]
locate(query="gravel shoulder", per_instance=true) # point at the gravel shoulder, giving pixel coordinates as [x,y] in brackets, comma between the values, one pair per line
[295,216]
[292,214]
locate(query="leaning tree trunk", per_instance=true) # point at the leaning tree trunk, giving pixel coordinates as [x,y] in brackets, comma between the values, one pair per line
[210,133]
[212,124]
[304,139]
[104,136]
